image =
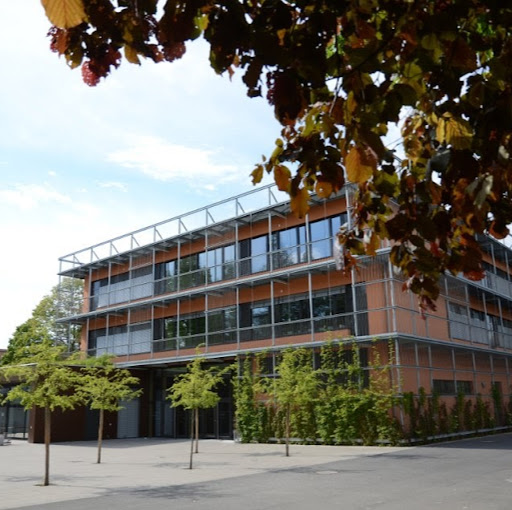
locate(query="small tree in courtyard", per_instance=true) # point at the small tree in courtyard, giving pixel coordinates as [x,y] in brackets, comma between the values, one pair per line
[295,387]
[102,388]
[194,390]
[47,381]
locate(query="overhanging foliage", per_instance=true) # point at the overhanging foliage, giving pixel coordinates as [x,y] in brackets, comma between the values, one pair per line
[339,74]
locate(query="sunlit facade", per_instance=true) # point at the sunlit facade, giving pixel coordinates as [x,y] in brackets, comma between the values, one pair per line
[245,275]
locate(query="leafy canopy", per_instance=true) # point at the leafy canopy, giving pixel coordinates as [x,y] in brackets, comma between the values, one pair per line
[195,389]
[339,74]
[42,326]
[103,385]
[47,378]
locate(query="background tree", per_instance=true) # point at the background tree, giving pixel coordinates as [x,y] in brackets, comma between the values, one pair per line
[103,386]
[47,381]
[339,76]
[194,390]
[63,300]
[295,387]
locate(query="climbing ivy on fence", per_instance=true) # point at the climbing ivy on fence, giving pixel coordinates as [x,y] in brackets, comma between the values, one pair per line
[356,404]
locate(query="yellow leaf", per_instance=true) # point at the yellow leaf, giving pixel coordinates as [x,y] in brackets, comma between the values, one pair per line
[131,54]
[281,35]
[459,133]
[257,174]
[351,103]
[373,245]
[430,42]
[441,130]
[282,177]
[323,189]
[412,72]
[64,13]
[360,165]
[299,203]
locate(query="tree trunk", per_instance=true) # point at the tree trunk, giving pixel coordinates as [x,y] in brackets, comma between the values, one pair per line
[287,431]
[197,429]
[100,435]
[47,437]
[191,437]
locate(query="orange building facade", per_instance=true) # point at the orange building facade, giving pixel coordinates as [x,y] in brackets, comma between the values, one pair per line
[245,275]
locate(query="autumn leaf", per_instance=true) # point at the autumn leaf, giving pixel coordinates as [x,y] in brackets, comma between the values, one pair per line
[299,203]
[373,245]
[499,231]
[257,174]
[65,13]
[454,131]
[131,54]
[360,164]
[282,177]
[323,189]
[458,134]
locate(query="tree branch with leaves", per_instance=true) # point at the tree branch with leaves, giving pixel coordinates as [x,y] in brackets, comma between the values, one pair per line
[339,75]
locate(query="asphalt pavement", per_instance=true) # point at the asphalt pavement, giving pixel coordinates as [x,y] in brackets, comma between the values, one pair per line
[151,474]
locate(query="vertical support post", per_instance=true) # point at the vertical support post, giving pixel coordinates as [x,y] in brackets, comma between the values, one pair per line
[417,362]
[272,312]
[206,331]
[474,372]
[270,253]
[431,369]
[178,266]
[391,286]
[310,304]
[152,330]
[399,377]
[178,318]
[237,316]
[454,369]
[129,333]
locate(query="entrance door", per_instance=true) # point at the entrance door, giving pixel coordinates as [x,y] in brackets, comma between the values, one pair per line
[128,419]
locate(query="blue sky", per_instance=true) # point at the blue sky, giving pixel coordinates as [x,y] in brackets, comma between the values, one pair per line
[80,165]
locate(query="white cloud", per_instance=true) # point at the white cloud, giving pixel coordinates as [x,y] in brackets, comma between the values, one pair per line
[166,161]
[51,173]
[112,184]
[30,196]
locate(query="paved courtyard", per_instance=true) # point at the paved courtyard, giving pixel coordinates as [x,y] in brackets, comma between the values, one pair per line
[152,473]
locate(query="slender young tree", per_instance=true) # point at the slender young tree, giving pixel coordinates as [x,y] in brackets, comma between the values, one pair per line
[295,387]
[47,381]
[103,386]
[195,390]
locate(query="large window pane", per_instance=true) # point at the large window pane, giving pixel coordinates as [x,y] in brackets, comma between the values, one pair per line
[260,315]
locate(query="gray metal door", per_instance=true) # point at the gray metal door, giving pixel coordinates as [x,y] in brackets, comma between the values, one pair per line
[128,419]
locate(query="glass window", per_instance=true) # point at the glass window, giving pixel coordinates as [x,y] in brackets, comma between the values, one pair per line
[170,328]
[320,230]
[321,306]
[201,260]
[443,386]
[259,254]
[229,253]
[216,321]
[293,308]
[260,315]
[287,238]
[220,320]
